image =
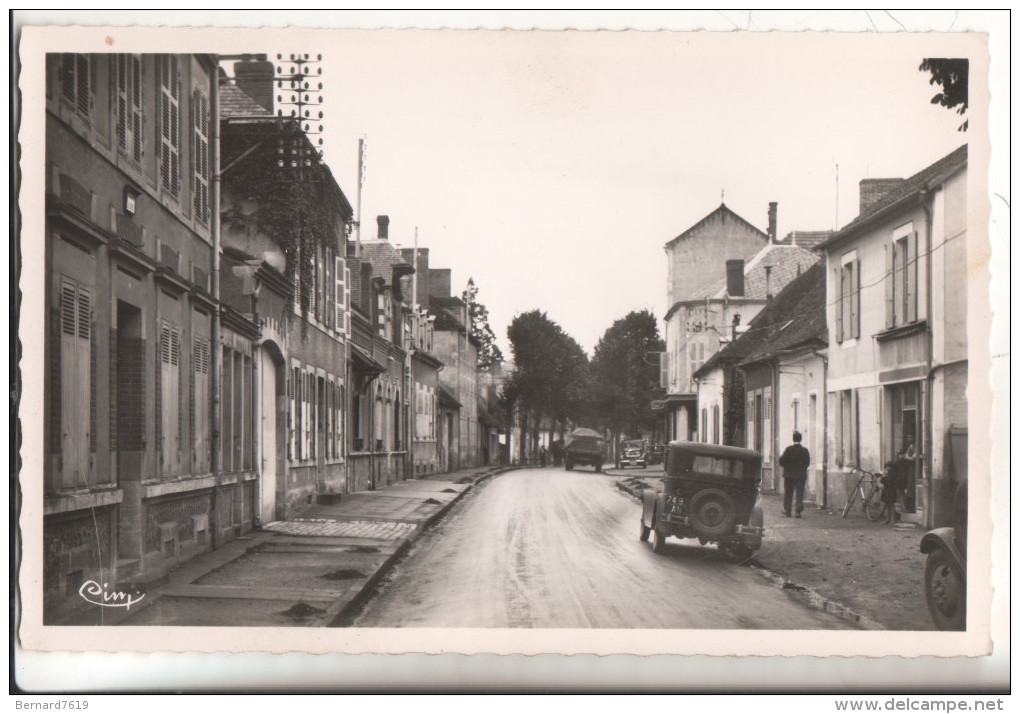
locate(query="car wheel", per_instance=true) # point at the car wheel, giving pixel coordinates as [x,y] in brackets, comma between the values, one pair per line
[945,592]
[713,513]
[645,531]
[658,540]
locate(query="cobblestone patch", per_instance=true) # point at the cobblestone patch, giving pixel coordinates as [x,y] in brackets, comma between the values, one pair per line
[381,530]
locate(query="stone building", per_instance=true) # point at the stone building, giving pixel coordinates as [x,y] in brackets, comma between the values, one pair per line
[137,478]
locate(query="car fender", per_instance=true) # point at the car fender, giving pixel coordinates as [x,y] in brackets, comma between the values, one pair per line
[647,505]
[944,539]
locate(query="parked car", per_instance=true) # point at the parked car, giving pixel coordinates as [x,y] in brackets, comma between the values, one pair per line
[656,454]
[633,453]
[945,572]
[584,447]
[710,492]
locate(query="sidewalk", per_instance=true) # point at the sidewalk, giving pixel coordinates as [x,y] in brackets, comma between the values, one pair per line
[313,570]
[872,573]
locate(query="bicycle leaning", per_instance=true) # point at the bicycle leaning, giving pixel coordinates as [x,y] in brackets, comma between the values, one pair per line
[868,490]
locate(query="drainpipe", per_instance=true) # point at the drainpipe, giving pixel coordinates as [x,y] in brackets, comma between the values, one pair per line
[825,427]
[217,351]
[929,516]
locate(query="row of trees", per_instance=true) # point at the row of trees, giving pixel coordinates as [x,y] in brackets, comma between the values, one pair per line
[554,384]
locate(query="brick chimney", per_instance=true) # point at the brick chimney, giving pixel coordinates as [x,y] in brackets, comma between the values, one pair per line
[874,190]
[421,268]
[773,210]
[735,277]
[439,282]
[254,77]
[384,227]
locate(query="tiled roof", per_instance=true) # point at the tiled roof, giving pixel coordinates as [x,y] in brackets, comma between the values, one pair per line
[942,168]
[786,261]
[235,103]
[795,318]
[384,258]
[807,239]
[725,211]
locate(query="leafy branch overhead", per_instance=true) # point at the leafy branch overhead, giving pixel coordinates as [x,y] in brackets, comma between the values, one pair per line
[283,191]
[951,74]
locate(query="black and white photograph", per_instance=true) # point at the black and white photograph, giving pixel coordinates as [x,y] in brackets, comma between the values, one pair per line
[462,334]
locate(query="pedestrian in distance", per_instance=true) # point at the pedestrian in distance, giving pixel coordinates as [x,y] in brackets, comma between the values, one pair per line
[541,455]
[794,461]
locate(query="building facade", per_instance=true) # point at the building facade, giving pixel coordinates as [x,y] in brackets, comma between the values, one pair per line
[696,259]
[897,310]
[136,477]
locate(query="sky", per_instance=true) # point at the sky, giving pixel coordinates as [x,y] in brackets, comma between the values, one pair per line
[552,166]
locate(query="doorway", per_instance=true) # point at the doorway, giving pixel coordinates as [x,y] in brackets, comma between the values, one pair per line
[270,435]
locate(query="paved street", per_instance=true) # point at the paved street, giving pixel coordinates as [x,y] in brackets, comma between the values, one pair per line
[547,548]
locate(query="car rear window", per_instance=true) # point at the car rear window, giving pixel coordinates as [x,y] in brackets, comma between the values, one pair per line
[730,468]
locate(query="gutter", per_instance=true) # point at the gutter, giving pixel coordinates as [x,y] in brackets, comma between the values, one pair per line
[217,348]
[825,427]
[929,516]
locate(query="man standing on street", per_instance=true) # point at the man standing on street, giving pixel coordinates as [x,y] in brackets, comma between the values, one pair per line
[795,461]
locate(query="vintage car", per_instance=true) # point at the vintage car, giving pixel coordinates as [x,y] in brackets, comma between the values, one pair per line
[945,571]
[656,454]
[710,492]
[584,446]
[633,453]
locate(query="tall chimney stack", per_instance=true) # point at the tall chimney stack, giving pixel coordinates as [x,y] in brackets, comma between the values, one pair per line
[773,209]
[735,277]
[384,227]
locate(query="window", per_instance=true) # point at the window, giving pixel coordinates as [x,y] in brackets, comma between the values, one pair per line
[901,278]
[129,106]
[76,83]
[200,141]
[848,310]
[77,408]
[169,398]
[697,350]
[704,425]
[716,424]
[169,125]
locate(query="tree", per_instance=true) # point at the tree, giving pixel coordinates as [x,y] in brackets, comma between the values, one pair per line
[549,379]
[625,379]
[951,75]
[489,354]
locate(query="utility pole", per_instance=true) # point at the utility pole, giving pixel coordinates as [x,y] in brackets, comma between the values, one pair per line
[361,182]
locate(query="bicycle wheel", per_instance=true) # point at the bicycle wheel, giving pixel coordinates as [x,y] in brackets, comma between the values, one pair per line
[874,506]
[852,497]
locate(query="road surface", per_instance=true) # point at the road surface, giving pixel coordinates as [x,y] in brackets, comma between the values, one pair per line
[549,548]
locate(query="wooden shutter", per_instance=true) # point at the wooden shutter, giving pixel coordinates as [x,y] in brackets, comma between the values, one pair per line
[170,356]
[890,284]
[129,105]
[200,123]
[82,88]
[200,407]
[855,301]
[766,417]
[910,284]
[340,294]
[136,108]
[347,301]
[838,282]
[169,119]
[75,379]
[291,414]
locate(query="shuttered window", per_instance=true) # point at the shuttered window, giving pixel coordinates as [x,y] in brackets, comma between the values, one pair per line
[129,106]
[75,381]
[76,83]
[200,142]
[200,405]
[170,397]
[340,294]
[848,312]
[170,125]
